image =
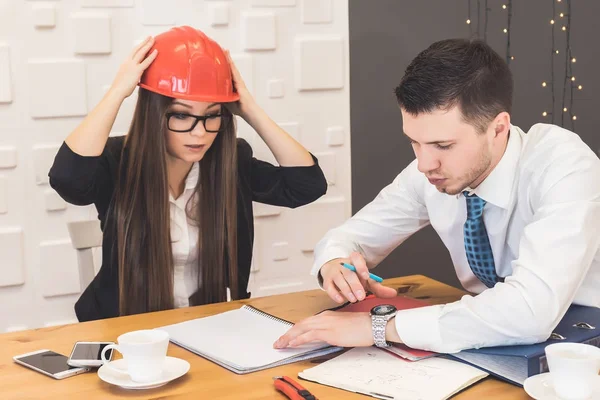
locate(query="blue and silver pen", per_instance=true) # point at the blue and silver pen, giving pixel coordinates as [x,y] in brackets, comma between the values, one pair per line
[353,269]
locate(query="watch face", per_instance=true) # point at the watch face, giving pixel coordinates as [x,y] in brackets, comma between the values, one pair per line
[384,309]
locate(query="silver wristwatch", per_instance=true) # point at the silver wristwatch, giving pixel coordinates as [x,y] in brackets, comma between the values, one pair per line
[380,315]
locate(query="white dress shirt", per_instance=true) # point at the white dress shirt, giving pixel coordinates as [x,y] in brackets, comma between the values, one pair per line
[184,242]
[543,221]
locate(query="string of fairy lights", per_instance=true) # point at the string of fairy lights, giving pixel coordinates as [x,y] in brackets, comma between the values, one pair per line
[486,10]
[507,31]
[570,83]
[561,20]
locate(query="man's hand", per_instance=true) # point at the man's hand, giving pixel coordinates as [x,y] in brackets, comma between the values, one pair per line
[341,283]
[346,329]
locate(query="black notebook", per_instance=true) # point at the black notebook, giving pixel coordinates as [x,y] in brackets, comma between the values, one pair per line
[242,340]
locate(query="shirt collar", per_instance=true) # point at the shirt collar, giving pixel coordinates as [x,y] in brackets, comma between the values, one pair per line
[497,188]
[190,184]
[192,177]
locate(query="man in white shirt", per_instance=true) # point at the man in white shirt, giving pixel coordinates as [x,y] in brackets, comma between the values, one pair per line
[519,213]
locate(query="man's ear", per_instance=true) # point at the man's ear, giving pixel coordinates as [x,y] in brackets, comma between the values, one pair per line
[502,124]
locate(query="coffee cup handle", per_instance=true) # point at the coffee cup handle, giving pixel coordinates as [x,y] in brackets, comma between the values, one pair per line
[106,363]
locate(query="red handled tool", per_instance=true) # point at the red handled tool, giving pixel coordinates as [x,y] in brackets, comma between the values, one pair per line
[292,389]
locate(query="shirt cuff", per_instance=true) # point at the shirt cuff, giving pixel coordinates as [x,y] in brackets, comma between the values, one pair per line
[419,327]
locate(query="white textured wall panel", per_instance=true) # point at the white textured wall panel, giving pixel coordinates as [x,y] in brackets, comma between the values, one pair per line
[272,251]
[280,251]
[53,201]
[278,288]
[57,88]
[91,31]
[335,136]
[85,234]
[97,259]
[275,88]
[8,157]
[5,75]
[258,31]
[158,12]
[12,271]
[323,215]
[125,114]
[245,65]
[317,11]
[244,131]
[328,165]
[262,151]
[58,259]
[319,63]
[44,15]
[3,195]
[107,3]
[43,158]
[218,14]
[265,210]
[272,3]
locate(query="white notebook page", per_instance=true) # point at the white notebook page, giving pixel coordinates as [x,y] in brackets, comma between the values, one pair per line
[375,372]
[241,338]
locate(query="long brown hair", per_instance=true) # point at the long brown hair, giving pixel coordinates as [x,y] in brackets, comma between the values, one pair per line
[142,214]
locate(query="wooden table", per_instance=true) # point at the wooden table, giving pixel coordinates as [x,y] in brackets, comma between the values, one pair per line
[205,380]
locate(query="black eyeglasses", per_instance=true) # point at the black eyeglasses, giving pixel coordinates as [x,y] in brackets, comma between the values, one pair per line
[182,122]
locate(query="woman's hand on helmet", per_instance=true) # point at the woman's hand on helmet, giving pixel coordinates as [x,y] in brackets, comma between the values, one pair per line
[133,67]
[244,105]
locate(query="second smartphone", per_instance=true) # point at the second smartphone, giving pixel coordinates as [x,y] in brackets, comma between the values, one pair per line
[87,354]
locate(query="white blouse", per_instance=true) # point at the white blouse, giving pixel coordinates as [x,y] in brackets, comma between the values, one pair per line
[184,239]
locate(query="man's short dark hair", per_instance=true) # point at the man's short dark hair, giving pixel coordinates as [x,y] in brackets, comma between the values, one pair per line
[458,72]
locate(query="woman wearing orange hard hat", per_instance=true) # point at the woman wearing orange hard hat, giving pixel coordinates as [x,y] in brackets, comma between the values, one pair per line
[174,196]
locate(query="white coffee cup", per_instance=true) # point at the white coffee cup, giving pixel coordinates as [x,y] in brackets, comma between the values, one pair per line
[144,351]
[574,369]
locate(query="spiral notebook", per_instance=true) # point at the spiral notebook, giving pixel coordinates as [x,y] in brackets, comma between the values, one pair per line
[242,340]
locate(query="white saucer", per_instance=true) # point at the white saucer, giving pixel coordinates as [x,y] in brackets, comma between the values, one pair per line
[540,387]
[173,369]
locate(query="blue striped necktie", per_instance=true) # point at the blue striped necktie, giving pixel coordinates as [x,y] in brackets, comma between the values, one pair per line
[477,242]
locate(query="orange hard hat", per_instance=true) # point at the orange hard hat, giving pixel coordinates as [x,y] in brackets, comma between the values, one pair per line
[190,66]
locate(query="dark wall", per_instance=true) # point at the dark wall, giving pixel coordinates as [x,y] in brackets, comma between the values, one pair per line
[385,35]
